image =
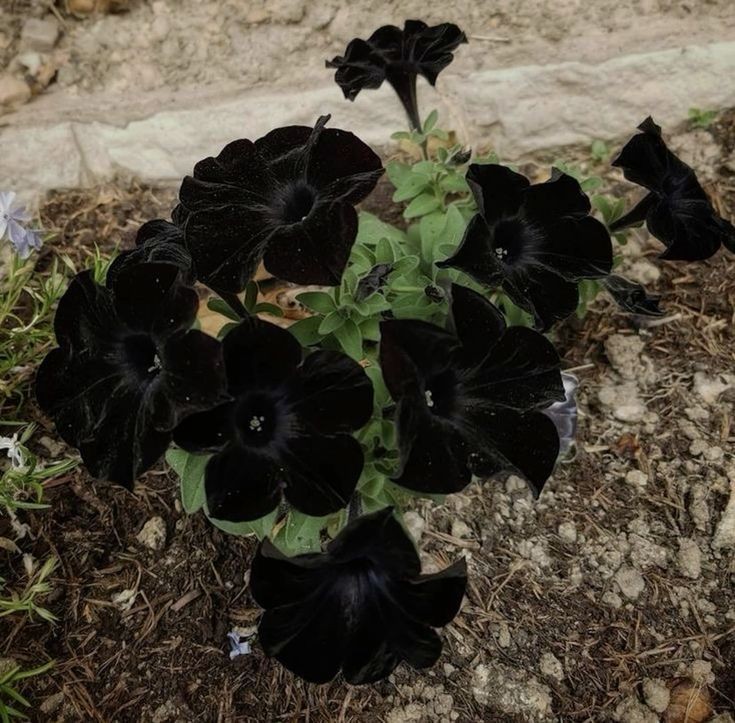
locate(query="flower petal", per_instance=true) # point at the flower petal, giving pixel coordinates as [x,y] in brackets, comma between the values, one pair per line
[525,443]
[479,325]
[548,297]
[333,393]
[206,431]
[498,190]
[379,537]
[124,442]
[322,472]
[521,372]
[316,250]
[433,451]
[412,352]
[546,203]
[227,244]
[258,353]
[475,254]
[577,248]
[149,298]
[632,297]
[343,167]
[433,599]
[242,485]
[193,375]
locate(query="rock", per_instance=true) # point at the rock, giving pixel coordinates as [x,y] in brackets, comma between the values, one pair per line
[415,525]
[701,671]
[699,149]
[689,558]
[624,401]
[551,666]
[88,7]
[725,532]
[690,702]
[710,388]
[567,532]
[637,479]
[52,703]
[612,599]
[153,534]
[645,553]
[643,271]
[625,353]
[511,691]
[631,710]
[40,34]
[460,529]
[13,92]
[656,694]
[630,582]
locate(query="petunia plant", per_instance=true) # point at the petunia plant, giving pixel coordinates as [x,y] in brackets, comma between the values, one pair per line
[425,362]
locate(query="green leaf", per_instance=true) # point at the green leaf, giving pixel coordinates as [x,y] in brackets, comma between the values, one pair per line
[431,228]
[306,330]
[454,183]
[430,121]
[251,295]
[261,527]
[371,229]
[422,205]
[190,469]
[397,172]
[300,533]
[384,252]
[370,329]
[331,322]
[455,226]
[265,308]
[411,187]
[222,307]
[317,301]
[349,337]
[405,265]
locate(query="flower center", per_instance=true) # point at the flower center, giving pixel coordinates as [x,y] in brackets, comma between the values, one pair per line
[142,356]
[440,393]
[297,204]
[514,241]
[257,419]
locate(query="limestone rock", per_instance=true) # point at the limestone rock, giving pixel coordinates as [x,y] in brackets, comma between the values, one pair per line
[630,582]
[656,694]
[512,691]
[13,92]
[689,558]
[153,534]
[40,34]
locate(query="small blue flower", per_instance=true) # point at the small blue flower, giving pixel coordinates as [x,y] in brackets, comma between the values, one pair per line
[13,220]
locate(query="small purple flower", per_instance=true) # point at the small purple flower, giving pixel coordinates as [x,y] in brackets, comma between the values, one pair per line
[564,415]
[13,220]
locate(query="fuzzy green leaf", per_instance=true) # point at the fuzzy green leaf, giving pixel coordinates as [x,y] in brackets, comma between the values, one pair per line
[331,322]
[411,187]
[190,469]
[349,337]
[306,330]
[261,527]
[318,301]
[422,205]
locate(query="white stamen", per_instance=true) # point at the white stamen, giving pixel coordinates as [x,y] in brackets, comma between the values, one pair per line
[156,364]
[500,252]
[429,398]
[256,423]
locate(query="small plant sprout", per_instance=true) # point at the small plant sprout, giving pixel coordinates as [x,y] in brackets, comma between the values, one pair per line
[10,697]
[425,363]
[699,118]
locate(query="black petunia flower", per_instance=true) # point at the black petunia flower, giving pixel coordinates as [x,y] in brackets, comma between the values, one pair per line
[361,607]
[536,241]
[632,297]
[397,56]
[287,430]
[157,240]
[287,199]
[468,399]
[676,209]
[128,368]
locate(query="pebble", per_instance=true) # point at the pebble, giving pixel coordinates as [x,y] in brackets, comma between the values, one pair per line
[656,694]
[630,582]
[415,525]
[709,388]
[153,534]
[636,478]
[40,34]
[689,558]
[460,529]
[568,532]
[13,92]
[551,666]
